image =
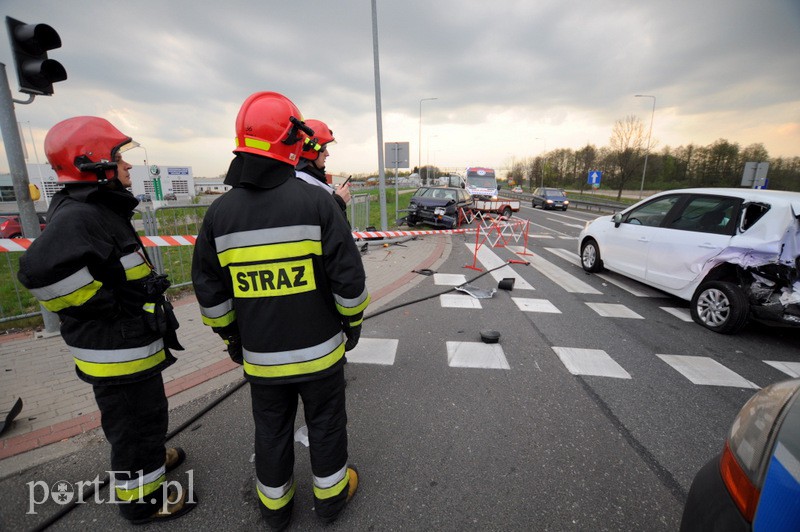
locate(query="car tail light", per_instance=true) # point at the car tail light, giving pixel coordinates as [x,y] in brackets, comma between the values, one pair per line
[749,445]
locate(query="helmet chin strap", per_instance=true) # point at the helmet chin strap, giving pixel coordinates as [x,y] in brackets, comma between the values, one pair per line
[84,164]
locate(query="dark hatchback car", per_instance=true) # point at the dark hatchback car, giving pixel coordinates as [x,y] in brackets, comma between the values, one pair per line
[754,483]
[10,225]
[437,206]
[550,198]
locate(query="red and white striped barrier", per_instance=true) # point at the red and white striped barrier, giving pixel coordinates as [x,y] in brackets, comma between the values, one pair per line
[22,244]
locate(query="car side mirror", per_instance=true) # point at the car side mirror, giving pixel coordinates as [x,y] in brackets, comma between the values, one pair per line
[617,219]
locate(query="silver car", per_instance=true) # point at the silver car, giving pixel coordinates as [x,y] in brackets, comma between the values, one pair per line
[733,253]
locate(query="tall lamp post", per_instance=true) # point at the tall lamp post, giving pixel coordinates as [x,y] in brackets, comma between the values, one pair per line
[419,152]
[545,158]
[650,132]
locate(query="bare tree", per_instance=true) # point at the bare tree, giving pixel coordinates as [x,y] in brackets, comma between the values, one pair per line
[627,142]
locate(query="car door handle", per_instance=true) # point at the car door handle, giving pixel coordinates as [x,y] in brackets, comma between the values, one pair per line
[644,239]
[708,245]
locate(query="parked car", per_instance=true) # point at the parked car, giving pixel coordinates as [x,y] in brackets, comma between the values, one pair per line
[733,253]
[10,226]
[517,190]
[144,198]
[170,197]
[550,198]
[754,483]
[437,206]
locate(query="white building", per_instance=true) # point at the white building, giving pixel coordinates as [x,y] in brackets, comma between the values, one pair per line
[177,180]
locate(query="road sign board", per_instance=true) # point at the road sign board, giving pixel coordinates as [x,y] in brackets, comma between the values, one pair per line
[595,176]
[396,154]
[157,189]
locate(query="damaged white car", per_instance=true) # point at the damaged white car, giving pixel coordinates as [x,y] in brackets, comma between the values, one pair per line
[733,253]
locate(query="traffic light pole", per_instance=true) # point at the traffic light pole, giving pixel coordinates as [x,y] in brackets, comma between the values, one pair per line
[19,176]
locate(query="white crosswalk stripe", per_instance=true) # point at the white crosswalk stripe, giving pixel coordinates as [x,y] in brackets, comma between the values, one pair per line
[374,351]
[568,282]
[613,310]
[449,279]
[535,305]
[707,371]
[682,314]
[792,369]
[490,260]
[459,301]
[476,355]
[590,362]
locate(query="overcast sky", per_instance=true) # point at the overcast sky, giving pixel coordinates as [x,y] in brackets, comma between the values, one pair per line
[512,78]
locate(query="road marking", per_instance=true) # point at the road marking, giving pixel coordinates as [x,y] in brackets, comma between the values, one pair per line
[571,225]
[490,260]
[590,362]
[706,371]
[566,255]
[636,288]
[614,310]
[792,369]
[459,301]
[374,351]
[680,313]
[449,279]
[476,355]
[535,305]
[567,281]
[568,237]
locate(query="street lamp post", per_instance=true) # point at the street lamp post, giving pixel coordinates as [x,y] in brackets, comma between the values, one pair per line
[544,165]
[650,132]
[419,152]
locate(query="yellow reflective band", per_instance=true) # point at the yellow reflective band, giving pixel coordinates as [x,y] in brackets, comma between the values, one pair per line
[269,252]
[333,491]
[149,307]
[276,504]
[74,299]
[141,491]
[117,369]
[352,311]
[297,368]
[357,322]
[137,272]
[222,321]
[257,144]
[274,279]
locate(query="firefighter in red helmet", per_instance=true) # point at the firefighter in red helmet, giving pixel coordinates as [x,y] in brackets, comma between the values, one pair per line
[89,266]
[278,275]
[311,167]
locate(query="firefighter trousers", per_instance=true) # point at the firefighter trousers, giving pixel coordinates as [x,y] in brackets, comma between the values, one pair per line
[274,412]
[135,418]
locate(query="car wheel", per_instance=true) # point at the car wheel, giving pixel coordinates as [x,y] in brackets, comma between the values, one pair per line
[590,256]
[18,235]
[507,212]
[533,204]
[720,306]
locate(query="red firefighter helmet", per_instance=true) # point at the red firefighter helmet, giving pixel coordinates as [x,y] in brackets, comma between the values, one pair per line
[270,125]
[83,149]
[323,135]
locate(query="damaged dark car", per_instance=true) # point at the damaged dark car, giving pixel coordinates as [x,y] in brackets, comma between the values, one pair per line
[437,206]
[734,254]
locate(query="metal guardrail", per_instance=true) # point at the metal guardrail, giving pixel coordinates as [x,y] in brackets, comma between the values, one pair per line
[606,207]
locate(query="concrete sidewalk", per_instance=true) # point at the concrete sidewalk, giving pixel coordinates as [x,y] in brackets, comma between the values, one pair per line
[58,406]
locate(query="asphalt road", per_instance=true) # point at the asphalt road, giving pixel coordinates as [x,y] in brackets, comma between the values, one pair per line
[452,442]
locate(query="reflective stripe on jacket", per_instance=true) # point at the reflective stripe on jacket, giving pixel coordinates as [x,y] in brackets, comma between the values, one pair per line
[89,267]
[280,264]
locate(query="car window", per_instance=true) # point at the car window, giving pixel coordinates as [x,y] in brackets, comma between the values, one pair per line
[552,192]
[652,213]
[708,214]
[423,192]
[752,213]
[449,194]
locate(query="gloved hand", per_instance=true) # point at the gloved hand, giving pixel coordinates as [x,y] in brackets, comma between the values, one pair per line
[353,334]
[234,344]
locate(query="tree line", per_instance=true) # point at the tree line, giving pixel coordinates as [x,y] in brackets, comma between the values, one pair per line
[622,163]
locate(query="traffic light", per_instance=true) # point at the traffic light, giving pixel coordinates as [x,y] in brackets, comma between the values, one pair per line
[30,44]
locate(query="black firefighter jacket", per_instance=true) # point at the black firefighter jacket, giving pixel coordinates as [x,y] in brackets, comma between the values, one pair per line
[88,266]
[275,261]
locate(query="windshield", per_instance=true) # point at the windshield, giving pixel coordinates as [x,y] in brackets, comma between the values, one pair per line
[482,181]
[437,193]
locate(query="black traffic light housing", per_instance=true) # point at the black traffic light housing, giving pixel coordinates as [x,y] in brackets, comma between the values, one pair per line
[30,44]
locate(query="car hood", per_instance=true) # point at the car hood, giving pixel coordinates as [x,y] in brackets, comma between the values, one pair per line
[431,202]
